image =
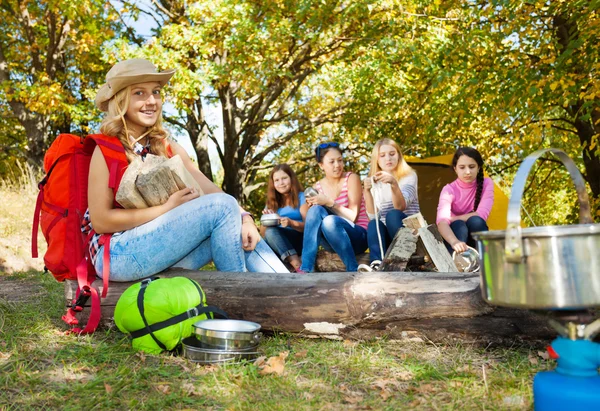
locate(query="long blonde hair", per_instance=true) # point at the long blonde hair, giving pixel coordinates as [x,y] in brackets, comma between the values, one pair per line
[114,124]
[402,168]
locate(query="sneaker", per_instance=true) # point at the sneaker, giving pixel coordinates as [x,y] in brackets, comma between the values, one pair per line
[300,271]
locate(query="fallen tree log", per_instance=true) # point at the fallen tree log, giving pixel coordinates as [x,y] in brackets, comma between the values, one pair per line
[346,304]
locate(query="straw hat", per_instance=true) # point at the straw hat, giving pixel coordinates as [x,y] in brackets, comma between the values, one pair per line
[126,73]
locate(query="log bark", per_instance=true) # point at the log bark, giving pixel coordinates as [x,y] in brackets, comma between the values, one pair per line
[337,304]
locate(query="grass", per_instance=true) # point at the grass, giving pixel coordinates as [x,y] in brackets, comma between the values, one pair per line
[41,367]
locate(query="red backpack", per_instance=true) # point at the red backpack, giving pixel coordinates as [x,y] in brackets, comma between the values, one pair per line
[60,207]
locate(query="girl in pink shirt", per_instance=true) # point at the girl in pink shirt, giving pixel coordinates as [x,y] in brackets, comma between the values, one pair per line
[465,203]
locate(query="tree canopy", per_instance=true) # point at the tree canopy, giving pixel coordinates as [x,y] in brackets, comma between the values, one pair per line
[505,76]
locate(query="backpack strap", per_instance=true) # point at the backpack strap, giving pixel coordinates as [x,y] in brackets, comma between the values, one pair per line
[86,273]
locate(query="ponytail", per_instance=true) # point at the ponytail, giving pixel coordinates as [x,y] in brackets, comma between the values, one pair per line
[479,188]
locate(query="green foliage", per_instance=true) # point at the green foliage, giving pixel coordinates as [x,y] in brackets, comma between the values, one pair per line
[50,55]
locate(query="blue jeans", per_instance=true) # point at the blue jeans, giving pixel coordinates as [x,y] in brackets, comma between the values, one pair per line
[285,241]
[463,229]
[334,233]
[188,236]
[393,222]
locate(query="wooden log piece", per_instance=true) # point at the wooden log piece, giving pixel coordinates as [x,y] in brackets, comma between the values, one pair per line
[328,261]
[181,175]
[335,304]
[403,246]
[128,195]
[156,185]
[414,221]
[434,243]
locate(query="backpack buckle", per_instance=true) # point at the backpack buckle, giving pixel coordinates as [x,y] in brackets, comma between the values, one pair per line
[193,312]
[84,296]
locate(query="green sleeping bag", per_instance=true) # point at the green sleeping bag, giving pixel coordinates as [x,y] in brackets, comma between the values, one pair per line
[159,312]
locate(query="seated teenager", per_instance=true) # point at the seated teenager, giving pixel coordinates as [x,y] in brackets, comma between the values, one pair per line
[285,198]
[465,204]
[336,218]
[390,196]
[188,230]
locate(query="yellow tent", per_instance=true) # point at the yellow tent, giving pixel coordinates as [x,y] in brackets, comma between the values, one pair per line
[434,173]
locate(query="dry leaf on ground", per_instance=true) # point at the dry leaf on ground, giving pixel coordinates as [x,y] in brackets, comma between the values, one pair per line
[301,354]
[544,355]
[274,365]
[190,389]
[107,388]
[164,388]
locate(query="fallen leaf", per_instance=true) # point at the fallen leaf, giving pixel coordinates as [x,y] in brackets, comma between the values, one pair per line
[349,344]
[425,388]
[190,389]
[533,360]
[404,375]
[301,354]
[164,388]
[455,383]
[142,356]
[274,365]
[544,355]
[351,397]
[260,361]
[108,388]
[4,355]
[383,385]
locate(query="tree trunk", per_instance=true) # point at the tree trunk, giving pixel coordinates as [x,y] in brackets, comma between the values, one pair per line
[234,176]
[197,130]
[36,130]
[355,304]
[566,33]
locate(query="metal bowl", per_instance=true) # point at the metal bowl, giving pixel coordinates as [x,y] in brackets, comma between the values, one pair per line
[467,261]
[195,351]
[270,220]
[229,335]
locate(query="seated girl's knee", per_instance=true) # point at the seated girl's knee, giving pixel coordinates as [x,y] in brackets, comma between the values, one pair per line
[373,224]
[271,232]
[329,223]
[476,223]
[226,200]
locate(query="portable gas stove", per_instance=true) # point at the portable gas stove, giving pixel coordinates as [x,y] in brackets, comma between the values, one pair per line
[554,269]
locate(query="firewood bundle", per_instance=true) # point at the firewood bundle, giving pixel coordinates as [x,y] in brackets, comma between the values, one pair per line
[152,181]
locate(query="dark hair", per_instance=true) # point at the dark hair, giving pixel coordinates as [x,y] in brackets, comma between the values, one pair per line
[275,199]
[475,155]
[324,148]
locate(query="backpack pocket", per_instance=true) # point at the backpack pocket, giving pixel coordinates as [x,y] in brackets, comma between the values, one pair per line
[65,243]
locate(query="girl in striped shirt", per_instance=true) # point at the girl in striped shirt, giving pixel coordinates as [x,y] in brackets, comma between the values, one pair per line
[336,219]
[391,192]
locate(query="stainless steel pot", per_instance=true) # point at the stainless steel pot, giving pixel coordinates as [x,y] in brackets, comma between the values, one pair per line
[227,334]
[195,351]
[270,220]
[550,267]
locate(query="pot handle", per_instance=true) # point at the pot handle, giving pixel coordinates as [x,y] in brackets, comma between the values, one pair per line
[513,246]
